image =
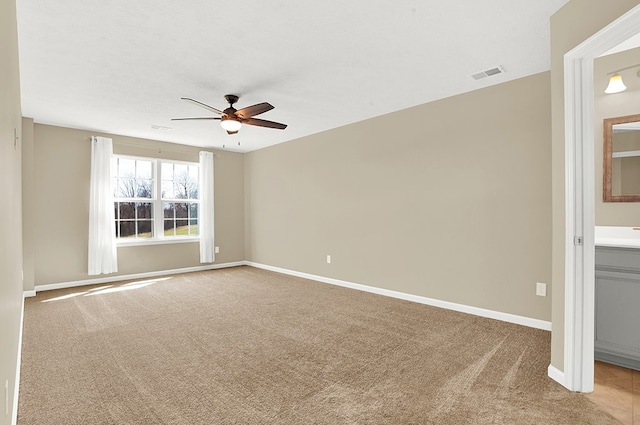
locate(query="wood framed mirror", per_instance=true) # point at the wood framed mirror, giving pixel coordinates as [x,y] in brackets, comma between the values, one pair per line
[621,159]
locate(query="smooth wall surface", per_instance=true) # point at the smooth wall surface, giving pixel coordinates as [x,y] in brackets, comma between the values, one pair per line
[609,106]
[570,26]
[11,223]
[448,200]
[61,199]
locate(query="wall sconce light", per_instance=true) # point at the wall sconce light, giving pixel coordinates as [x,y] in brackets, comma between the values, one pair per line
[615,81]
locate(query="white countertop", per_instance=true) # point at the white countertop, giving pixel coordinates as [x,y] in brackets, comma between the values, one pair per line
[614,236]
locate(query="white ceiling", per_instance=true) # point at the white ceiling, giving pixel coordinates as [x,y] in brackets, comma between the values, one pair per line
[630,43]
[121,67]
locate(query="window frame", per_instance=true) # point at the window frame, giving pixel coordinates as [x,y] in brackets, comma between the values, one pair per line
[157,202]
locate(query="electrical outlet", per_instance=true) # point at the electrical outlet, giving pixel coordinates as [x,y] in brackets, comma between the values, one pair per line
[328,259]
[541,289]
[217,250]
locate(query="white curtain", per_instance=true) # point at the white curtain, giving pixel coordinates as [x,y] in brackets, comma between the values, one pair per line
[205,221]
[103,255]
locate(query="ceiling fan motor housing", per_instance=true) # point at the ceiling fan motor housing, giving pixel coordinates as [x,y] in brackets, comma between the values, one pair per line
[231,98]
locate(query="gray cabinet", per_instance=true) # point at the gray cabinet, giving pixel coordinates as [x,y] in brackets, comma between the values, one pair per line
[617,304]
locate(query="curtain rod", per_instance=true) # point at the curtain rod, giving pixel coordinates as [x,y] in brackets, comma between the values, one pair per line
[169,149]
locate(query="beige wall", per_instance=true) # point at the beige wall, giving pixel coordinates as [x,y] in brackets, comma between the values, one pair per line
[608,106]
[448,200]
[570,26]
[11,222]
[61,199]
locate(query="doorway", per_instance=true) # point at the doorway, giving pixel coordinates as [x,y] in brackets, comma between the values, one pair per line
[579,199]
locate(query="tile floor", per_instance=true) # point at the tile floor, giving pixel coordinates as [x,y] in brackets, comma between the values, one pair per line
[617,391]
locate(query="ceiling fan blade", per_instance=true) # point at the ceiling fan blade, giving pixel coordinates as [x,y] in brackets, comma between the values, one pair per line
[264,123]
[196,118]
[204,105]
[252,111]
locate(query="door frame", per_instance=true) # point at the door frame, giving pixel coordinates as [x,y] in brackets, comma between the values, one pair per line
[579,320]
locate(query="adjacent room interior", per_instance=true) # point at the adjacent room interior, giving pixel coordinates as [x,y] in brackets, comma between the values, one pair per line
[404,179]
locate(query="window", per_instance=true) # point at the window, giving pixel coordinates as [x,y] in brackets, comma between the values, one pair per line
[155,199]
[179,198]
[134,196]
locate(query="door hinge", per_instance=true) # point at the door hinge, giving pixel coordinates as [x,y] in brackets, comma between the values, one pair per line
[577,240]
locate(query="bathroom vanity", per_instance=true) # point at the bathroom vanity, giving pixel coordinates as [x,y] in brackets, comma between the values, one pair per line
[617,296]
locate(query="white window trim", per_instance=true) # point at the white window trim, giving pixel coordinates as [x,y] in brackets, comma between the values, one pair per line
[152,241]
[159,238]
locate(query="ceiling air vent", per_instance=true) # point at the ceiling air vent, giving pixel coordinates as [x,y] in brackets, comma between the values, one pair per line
[488,73]
[160,128]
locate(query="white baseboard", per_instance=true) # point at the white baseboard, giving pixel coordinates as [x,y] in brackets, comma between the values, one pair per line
[556,374]
[16,390]
[505,317]
[491,314]
[73,284]
[27,294]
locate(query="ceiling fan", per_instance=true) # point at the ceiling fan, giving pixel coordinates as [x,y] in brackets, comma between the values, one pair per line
[231,119]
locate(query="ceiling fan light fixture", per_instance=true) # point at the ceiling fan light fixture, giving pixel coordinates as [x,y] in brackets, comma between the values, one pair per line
[230,124]
[615,84]
[231,119]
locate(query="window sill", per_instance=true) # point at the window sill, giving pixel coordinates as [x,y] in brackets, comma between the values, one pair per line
[141,242]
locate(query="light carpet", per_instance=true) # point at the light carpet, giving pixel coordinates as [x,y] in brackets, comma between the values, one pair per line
[249,346]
